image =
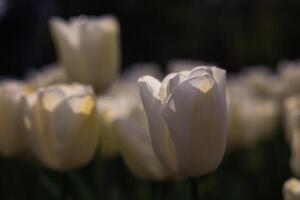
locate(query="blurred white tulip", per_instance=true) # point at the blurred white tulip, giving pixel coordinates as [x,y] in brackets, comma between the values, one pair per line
[251,119]
[13,139]
[124,130]
[135,146]
[295,152]
[291,112]
[291,189]
[89,48]
[121,98]
[187,119]
[62,125]
[48,75]
[289,74]
[261,80]
[110,108]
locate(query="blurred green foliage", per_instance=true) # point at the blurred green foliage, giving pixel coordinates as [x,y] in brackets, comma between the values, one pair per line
[248,174]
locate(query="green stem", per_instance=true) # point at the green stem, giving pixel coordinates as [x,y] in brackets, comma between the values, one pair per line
[194,189]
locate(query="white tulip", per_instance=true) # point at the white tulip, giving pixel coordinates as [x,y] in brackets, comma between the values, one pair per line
[124,128]
[291,112]
[48,75]
[62,125]
[12,135]
[89,48]
[110,108]
[295,153]
[260,79]
[135,146]
[187,119]
[291,189]
[251,119]
[289,74]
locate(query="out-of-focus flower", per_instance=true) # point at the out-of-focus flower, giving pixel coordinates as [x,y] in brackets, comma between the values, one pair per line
[291,111]
[124,126]
[291,189]
[135,146]
[289,75]
[187,119]
[110,108]
[261,80]
[251,118]
[89,48]
[295,152]
[118,102]
[13,139]
[62,125]
[48,75]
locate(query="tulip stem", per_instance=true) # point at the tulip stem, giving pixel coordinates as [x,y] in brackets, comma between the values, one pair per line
[194,189]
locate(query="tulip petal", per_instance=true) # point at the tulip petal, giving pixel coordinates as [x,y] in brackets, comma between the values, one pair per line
[74,128]
[196,117]
[167,86]
[99,44]
[160,137]
[219,76]
[66,40]
[137,150]
[63,127]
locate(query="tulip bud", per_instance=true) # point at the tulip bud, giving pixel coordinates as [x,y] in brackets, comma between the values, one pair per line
[187,119]
[135,146]
[117,103]
[291,111]
[251,119]
[291,189]
[62,125]
[88,48]
[48,75]
[289,74]
[109,109]
[295,152]
[13,140]
[260,79]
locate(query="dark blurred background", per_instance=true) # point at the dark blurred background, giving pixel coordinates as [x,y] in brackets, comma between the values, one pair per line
[232,33]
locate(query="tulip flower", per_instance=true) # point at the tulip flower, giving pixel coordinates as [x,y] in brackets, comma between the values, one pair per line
[295,153]
[135,146]
[109,109]
[118,102]
[291,111]
[291,189]
[124,130]
[62,125]
[89,48]
[48,75]
[187,119]
[260,79]
[252,119]
[289,75]
[12,135]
